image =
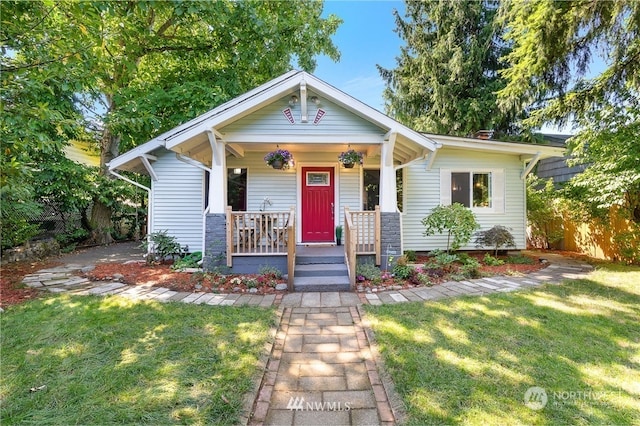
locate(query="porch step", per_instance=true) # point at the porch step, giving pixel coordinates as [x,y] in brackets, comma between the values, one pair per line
[314,260]
[330,283]
[321,270]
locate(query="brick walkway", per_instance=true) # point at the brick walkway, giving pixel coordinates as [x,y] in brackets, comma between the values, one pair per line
[322,368]
[321,372]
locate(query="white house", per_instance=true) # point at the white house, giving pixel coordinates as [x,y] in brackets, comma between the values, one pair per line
[216,160]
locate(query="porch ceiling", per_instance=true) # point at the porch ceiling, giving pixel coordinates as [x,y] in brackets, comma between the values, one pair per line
[199,149]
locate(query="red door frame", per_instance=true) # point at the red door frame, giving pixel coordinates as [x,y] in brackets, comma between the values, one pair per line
[317,206]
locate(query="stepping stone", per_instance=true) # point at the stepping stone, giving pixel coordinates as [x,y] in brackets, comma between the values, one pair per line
[105,288]
[398,297]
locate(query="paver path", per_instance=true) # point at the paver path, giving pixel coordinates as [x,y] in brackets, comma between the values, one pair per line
[321,372]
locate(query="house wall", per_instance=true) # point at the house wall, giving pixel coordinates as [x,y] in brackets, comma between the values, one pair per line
[422,193]
[177,200]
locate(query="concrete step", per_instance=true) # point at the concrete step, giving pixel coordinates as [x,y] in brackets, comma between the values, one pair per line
[321,283]
[321,270]
[308,260]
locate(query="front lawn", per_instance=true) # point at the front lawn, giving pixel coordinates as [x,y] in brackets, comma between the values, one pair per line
[105,360]
[471,360]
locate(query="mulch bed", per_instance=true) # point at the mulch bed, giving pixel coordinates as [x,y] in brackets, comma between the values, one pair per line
[139,273]
[12,291]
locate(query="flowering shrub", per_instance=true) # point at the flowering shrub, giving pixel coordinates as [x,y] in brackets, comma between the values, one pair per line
[281,155]
[350,157]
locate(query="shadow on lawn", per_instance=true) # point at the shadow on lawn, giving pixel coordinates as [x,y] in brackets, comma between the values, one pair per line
[472,359]
[112,360]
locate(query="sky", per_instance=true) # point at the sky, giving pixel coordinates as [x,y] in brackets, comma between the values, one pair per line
[365,39]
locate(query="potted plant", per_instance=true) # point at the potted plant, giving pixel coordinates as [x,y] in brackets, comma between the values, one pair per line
[350,158]
[339,234]
[279,159]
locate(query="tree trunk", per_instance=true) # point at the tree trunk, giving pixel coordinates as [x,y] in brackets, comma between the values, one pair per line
[101,212]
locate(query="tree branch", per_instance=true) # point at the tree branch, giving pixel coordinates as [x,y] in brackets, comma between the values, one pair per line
[19,36]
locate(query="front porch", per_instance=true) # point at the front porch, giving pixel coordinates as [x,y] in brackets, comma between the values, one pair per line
[253,239]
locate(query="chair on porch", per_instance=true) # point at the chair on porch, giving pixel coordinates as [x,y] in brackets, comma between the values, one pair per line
[245,233]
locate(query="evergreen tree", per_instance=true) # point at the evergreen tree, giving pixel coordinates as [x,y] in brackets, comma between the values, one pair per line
[447,74]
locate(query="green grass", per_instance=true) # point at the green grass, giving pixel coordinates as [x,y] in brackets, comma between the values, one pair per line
[470,360]
[112,360]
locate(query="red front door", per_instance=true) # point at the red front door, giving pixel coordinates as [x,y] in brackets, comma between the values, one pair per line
[317,204]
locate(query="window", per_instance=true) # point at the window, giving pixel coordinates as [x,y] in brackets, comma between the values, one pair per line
[236,189]
[371,188]
[471,189]
[482,190]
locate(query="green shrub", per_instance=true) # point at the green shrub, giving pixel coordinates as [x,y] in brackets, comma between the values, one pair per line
[492,261]
[446,259]
[270,271]
[189,261]
[458,221]
[496,237]
[368,271]
[470,268]
[410,255]
[402,272]
[161,246]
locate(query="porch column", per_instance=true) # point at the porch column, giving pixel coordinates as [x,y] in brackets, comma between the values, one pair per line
[388,195]
[390,225]
[218,175]
[215,240]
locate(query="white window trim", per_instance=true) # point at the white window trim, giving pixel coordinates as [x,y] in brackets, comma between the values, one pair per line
[496,189]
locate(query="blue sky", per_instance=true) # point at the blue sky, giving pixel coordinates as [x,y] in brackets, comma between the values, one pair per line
[365,38]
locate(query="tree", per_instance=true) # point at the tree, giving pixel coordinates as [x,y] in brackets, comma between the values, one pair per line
[553,44]
[138,68]
[447,74]
[458,221]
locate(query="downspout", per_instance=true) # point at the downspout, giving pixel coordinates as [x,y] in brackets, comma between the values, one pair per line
[149,204]
[201,166]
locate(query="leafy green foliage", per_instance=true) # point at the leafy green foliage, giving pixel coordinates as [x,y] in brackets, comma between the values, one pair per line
[270,271]
[126,71]
[496,237]
[544,212]
[160,246]
[470,268]
[520,260]
[458,221]
[410,255]
[402,271]
[368,271]
[189,261]
[446,78]
[492,261]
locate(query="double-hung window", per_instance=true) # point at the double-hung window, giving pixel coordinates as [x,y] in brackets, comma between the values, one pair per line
[480,190]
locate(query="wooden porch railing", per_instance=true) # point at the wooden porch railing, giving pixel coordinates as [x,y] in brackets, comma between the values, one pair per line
[258,233]
[291,249]
[362,236]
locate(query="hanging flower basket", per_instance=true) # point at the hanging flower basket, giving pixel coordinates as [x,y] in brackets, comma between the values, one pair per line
[279,159]
[350,158]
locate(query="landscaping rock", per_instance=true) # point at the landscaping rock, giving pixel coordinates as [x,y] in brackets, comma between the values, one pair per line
[88,268]
[253,290]
[118,277]
[281,287]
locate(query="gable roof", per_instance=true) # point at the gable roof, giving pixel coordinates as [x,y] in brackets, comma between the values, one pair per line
[195,130]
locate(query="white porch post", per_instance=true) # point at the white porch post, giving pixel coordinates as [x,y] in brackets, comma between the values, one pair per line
[388,194]
[218,175]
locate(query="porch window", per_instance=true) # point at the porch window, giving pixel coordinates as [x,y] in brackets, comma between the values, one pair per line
[371,188]
[236,189]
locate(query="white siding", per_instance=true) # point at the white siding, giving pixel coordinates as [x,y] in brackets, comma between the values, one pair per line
[178,200]
[350,183]
[270,119]
[422,193]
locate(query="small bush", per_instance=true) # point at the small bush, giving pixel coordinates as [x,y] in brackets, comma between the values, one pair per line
[420,278]
[446,259]
[496,237]
[410,255]
[162,246]
[189,261]
[270,271]
[470,268]
[456,220]
[492,261]
[368,271]
[402,272]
